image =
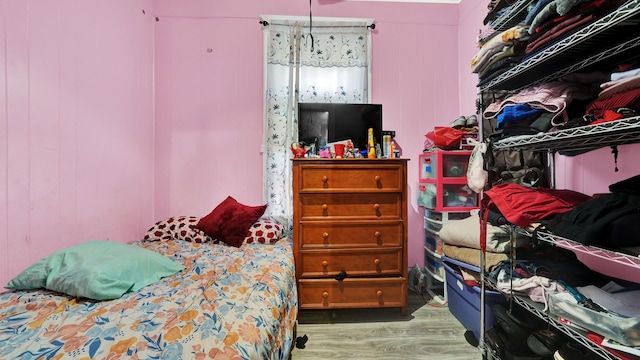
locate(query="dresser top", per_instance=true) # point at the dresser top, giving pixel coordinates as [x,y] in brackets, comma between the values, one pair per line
[350,160]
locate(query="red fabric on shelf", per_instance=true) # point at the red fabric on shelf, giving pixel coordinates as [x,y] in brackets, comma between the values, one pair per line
[522,205]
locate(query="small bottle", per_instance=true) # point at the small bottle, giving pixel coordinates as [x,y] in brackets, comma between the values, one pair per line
[392,149]
[371,146]
[386,146]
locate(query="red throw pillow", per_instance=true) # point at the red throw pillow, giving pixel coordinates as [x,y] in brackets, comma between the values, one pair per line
[230,221]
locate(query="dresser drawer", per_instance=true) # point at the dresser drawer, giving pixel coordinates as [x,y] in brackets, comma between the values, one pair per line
[341,234]
[368,262]
[352,206]
[351,176]
[352,293]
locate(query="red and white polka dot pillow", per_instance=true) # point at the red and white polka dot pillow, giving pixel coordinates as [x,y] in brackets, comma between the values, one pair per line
[179,228]
[265,231]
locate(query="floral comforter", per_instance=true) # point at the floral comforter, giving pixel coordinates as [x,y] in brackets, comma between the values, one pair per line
[230,303]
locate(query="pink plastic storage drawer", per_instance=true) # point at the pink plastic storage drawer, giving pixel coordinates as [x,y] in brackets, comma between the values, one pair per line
[443,181]
[441,164]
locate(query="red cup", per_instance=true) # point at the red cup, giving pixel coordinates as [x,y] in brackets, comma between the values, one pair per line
[339,148]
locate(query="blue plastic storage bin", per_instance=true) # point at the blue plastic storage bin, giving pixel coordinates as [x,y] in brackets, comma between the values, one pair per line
[464,300]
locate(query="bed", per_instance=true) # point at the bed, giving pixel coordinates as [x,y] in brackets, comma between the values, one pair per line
[228,303]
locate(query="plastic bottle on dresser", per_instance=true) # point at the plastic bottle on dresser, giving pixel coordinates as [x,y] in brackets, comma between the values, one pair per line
[386,146]
[371,146]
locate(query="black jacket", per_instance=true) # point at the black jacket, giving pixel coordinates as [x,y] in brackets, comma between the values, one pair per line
[611,220]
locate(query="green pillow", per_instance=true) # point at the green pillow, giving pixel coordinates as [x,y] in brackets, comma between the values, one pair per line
[99,270]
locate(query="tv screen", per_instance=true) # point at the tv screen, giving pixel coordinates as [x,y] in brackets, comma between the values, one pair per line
[323,123]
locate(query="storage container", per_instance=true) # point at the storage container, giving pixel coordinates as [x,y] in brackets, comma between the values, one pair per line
[433,263]
[433,215]
[433,222]
[433,243]
[443,181]
[432,225]
[437,217]
[443,164]
[459,195]
[426,195]
[464,299]
[433,248]
[428,163]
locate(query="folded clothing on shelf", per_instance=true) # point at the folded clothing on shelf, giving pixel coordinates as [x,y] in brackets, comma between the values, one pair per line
[605,220]
[625,330]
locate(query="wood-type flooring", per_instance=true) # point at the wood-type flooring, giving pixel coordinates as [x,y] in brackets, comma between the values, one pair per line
[429,331]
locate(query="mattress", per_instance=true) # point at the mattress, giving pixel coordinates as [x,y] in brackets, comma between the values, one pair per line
[229,302]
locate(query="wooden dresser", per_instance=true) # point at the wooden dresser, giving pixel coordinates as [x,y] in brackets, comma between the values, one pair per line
[350,233]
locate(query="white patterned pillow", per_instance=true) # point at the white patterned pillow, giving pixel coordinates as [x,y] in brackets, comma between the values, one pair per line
[264,231]
[179,228]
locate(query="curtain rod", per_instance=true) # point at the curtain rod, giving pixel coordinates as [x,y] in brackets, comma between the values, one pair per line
[372,26]
[318,21]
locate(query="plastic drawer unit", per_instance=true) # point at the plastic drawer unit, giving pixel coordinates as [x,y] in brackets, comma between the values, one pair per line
[443,181]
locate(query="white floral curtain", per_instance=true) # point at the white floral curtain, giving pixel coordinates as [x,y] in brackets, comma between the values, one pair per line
[330,64]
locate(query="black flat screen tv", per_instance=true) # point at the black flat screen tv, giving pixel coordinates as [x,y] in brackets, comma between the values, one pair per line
[323,123]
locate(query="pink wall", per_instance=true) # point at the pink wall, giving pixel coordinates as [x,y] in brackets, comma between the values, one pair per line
[472,14]
[593,172]
[95,147]
[208,114]
[209,104]
[76,125]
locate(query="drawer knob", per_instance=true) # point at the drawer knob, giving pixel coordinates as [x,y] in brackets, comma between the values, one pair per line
[376,207]
[377,178]
[379,293]
[376,262]
[325,263]
[325,294]
[325,206]
[325,179]
[378,234]
[325,235]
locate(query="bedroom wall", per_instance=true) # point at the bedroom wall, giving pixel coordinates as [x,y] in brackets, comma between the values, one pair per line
[81,158]
[76,125]
[472,13]
[209,104]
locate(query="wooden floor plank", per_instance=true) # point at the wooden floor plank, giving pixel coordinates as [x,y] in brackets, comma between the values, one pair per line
[427,332]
